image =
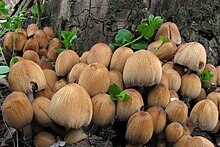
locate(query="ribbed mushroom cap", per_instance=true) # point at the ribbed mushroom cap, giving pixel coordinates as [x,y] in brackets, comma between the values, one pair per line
[173,131]
[83,58]
[44,63]
[116,77]
[40,107]
[190,85]
[51,77]
[172,65]
[50,33]
[31,44]
[202,95]
[21,30]
[17,110]
[51,54]
[59,84]
[32,28]
[191,55]
[95,79]
[205,115]
[142,68]
[20,40]
[103,109]
[139,128]
[169,30]
[41,37]
[71,107]
[164,79]
[31,55]
[174,79]
[75,72]
[46,92]
[8,40]
[215,98]
[54,43]
[126,109]
[44,139]
[25,76]
[43,52]
[65,62]
[100,53]
[119,58]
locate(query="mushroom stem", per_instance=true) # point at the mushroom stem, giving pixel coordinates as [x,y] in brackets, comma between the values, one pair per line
[27,131]
[31,97]
[191,126]
[57,130]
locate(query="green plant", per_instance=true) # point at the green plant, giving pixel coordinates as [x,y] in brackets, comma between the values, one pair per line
[146,31]
[11,22]
[69,39]
[3,71]
[117,94]
[206,76]
[35,13]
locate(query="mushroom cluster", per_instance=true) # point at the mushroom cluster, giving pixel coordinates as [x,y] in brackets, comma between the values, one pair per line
[68,94]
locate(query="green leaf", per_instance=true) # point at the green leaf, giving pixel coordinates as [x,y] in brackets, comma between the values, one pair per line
[164,39]
[140,44]
[73,38]
[3,11]
[58,51]
[157,22]
[65,34]
[142,28]
[149,32]
[114,89]
[42,8]
[66,44]
[124,96]
[113,97]
[113,46]
[14,60]
[123,36]
[150,19]
[4,69]
[34,10]
[207,75]
[5,25]
[2,76]
[2,4]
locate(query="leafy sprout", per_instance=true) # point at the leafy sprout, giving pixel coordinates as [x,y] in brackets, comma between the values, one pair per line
[35,12]
[206,76]
[3,71]
[117,94]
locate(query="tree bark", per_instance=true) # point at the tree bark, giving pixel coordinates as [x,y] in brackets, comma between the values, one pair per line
[98,20]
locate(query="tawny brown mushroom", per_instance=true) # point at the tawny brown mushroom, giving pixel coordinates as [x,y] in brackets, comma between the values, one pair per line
[172,65]
[173,94]
[215,98]
[31,55]
[142,68]
[50,33]
[31,44]
[164,79]
[202,95]
[169,30]
[74,135]
[32,28]
[116,77]
[41,37]
[191,55]
[8,40]
[95,79]
[19,40]
[174,79]
[173,132]
[119,58]
[54,43]
[51,77]
[65,62]
[83,58]
[46,92]
[100,53]
[19,59]
[59,84]
[44,139]
[43,52]
[21,30]
[127,108]
[75,72]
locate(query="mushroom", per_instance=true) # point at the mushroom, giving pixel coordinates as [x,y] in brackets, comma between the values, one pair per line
[172,65]
[51,77]
[116,77]
[75,72]
[54,43]
[74,135]
[50,33]
[204,114]
[44,139]
[83,58]
[215,98]
[174,131]
[59,84]
[19,59]
[119,58]
[19,40]
[103,109]
[159,96]
[100,53]
[46,92]
[21,30]
[191,55]
[31,44]
[44,63]
[26,76]
[218,73]
[126,109]
[41,37]
[213,80]
[190,85]
[8,41]
[51,54]
[142,68]
[183,141]
[31,55]
[174,79]
[139,128]
[71,107]
[159,118]
[165,52]
[31,29]
[202,95]
[177,111]
[95,79]
[173,94]
[169,30]
[43,52]
[65,61]
[164,79]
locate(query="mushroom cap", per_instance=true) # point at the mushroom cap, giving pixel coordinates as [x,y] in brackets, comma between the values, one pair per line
[65,62]
[136,124]
[218,73]
[44,139]
[50,33]
[119,58]
[31,55]
[51,54]
[172,65]
[54,43]
[190,85]
[40,107]
[142,68]
[191,55]
[83,58]
[103,109]
[25,76]
[44,63]
[41,37]
[164,79]
[8,40]
[173,94]
[75,72]
[95,79]
[20,41]
[169,30]
[100,53]
[74,135]
[31,44]
[173,131]
[71,107]
[116,77]
[46,92]
[21,30]
[17,110]
[19,59]
[43,52]
[159,118]
[215,98]
[31,29]
[126,109]
[202,95]
[59,84]
[205,115]
[177,111]
[174,79]
[51,77]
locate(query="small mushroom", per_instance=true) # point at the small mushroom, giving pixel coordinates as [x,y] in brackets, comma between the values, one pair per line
[21,30]
[136,124]
[8,40]
[172,65]
[174,79]
[218,73]
[119,58]
[169,30]
[54,43]
[75,72]
[116,77]
[215,98]
[46,92]
[174,131]
[19,59]
[31,44]
[20,40]
[95,79]
[191,55]
[65,62]
[83,58]
[202,95]
[44,63]
[44,139]
[164,79]
[51,77]
[100,53]
[50,33]
[43,52]
[74,135]
[173,94]
[142,68]
[41,37]
[31,55]
[59,84]
[183,141]
[31,29]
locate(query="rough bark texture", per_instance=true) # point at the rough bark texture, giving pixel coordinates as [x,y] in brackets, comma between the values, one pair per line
[98,20]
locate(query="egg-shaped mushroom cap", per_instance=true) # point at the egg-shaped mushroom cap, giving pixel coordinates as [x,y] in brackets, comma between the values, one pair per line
[205,115]
[32,28]
[71,106]
[75,72]
[25,76]
[191,55]
[17,110]
[50,33]
[41,37]
[44,139]
[142,68]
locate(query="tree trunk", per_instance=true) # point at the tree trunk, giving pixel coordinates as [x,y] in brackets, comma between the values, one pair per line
[98,20]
